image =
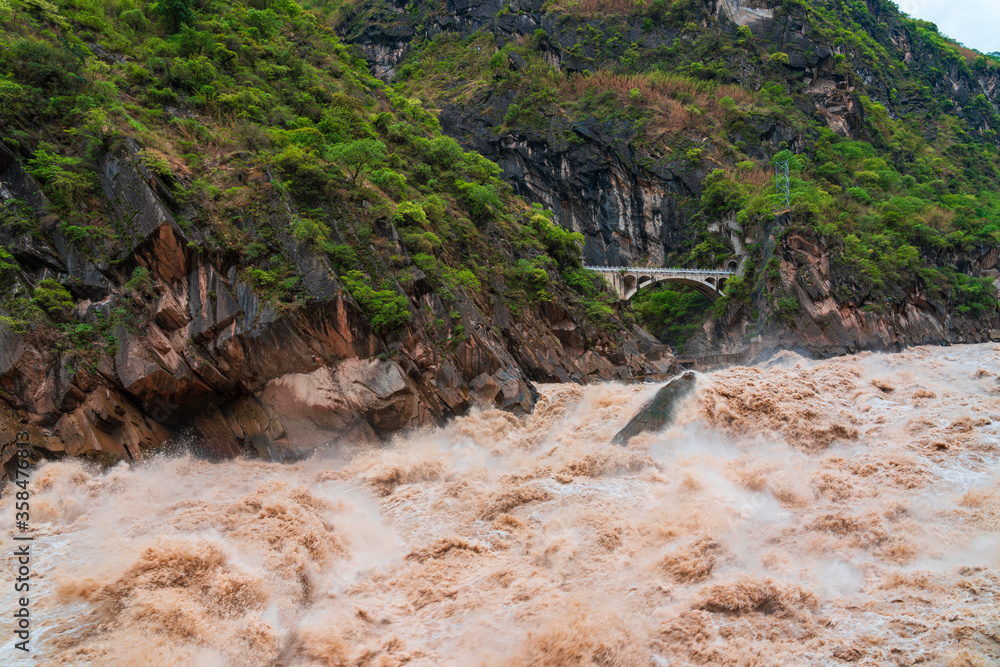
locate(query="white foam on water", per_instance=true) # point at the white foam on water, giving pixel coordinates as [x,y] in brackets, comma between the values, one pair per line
[801,512]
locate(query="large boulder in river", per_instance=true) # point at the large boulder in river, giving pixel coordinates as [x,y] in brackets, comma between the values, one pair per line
[660,411]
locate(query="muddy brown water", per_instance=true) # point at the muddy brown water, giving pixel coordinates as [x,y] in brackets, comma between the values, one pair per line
[803,513]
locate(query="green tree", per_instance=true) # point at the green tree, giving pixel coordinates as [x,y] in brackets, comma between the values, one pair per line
[358,157]
[141,282]
[673,315]
[562,245]
[480,200]
[13,98]
[721,195]
[61,174]
[177,13]
[9,268]
[410,213]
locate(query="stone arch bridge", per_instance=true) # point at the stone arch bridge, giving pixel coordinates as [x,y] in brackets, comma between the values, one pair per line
[627,280]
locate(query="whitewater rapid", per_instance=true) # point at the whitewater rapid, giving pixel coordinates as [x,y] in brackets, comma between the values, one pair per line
[798,513]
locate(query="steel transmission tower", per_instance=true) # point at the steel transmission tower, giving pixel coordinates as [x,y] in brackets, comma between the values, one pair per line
[784,190]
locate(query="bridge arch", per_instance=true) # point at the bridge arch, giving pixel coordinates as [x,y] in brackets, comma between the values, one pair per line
[700,286]
[627,281]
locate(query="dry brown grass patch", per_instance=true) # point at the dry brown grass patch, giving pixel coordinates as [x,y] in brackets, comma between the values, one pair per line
[588,7]
[757,178]
[682,102]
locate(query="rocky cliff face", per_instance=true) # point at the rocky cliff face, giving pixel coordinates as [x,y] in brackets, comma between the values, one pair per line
[627,214]
[632,203]
[637,201]
[203,356]
[593,182]
[830,322]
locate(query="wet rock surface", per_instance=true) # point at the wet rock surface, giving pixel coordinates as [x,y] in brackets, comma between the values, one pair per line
[660,411]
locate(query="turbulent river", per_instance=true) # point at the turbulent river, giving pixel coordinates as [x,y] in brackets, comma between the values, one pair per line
[797,513]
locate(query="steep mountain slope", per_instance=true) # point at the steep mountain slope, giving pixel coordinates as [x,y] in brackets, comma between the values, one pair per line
[214,221]
[652,128]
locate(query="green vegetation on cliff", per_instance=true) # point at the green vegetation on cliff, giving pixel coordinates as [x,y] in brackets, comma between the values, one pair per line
[672,315]
[268,138]
[262,131]
[890,128]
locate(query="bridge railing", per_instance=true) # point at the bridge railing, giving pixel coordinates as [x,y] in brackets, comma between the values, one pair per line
[640,269]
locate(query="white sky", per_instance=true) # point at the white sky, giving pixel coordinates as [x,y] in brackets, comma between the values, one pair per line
[974,23]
